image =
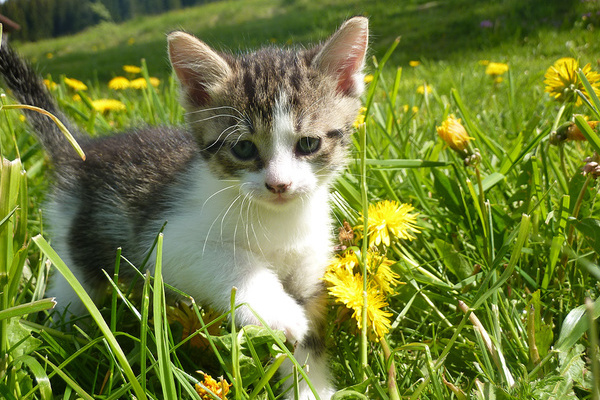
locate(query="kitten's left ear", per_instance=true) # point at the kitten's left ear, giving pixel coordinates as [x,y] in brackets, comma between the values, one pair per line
[343,56]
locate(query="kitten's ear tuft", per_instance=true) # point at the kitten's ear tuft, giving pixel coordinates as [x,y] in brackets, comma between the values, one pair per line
[343,56]
[199,68]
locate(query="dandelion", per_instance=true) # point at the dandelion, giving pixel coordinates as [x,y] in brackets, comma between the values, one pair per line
[105,105]
[118,83]
[76,98]
[388,218]
[220,388]
[368,78]
[414,63]
[562,81]
[421,89]
[49,56]
[132,69]
[380,268]
[22,118]
[139,83]
[495,69]
[347,288]
[414,109]
[131,41]
[360,118]
[190,323]
[454,134]
[75,84]
[154,81]
[50,84]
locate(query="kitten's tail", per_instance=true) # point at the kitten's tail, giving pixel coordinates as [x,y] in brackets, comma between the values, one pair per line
[28,88]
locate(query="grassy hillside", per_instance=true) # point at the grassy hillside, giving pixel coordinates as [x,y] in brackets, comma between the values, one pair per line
[430,30]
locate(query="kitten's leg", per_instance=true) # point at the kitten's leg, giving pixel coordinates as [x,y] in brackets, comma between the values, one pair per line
[211,279]
[311,353]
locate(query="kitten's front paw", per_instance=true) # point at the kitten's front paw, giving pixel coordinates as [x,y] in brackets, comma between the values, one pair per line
[282,314]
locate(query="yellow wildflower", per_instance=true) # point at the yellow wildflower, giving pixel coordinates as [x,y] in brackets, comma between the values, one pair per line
[105,105]
[368,78]
[496,69]
[50,84]
[346,261]
[421,89]
[139,83]
[219,389]
[132,69]
[76,97]
[414,63]
[187,318]
[454,134]
[414,109]
[22,118]
[388,218]
[154,81]
[75,84]
[49,56]
[118,83]
[130,41]
[360,118]
[562,81]
[380,268]
[347,288]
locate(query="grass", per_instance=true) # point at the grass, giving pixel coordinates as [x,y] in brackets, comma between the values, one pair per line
[493,303]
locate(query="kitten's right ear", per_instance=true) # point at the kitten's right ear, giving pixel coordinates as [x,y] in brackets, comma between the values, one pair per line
[199,68]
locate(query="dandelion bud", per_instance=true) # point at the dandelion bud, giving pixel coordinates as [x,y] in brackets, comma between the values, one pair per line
[455,135]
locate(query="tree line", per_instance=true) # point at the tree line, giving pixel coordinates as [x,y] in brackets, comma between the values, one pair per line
[51,18]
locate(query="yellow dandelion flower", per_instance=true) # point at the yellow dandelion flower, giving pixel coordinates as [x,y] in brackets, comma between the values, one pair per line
[347,288]
[415,109]
[132,69]
[220,388]
[187,318]
[380,268]
[498,80]
[130,41]
[388,218]
[414,63]
[118,83]
[49,56]
[154,81]
[368,78]
[360,118]
[495,69]
[105,105]
[562,81]
[76,97]
[454,134]
[345,261]
[139,83]
[75,84]
[421,89]
[22,118]
[50,84]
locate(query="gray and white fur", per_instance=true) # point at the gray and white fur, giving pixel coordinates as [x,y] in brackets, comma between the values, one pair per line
[243,186]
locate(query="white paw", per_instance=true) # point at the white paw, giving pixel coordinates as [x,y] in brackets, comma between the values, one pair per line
[281,313]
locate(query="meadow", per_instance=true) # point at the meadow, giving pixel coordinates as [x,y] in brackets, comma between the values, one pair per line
[469,215]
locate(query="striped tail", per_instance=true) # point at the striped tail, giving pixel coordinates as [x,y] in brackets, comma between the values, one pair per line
[28,88]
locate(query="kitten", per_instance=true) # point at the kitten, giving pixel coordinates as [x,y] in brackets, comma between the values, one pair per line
[244,186]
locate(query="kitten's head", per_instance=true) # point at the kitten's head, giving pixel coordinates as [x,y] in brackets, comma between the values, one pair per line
[278,120]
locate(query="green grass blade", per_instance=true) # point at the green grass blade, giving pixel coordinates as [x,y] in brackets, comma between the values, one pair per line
[29,308]
[58,123]
[94,312]
[591,136]
[161,328]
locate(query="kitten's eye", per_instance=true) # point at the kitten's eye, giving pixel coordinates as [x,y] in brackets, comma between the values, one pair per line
[308,145]
[244,150]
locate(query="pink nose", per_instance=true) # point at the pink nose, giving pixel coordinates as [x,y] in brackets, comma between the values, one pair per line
[278,188]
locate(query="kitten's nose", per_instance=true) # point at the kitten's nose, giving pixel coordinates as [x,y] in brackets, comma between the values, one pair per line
[278,188]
